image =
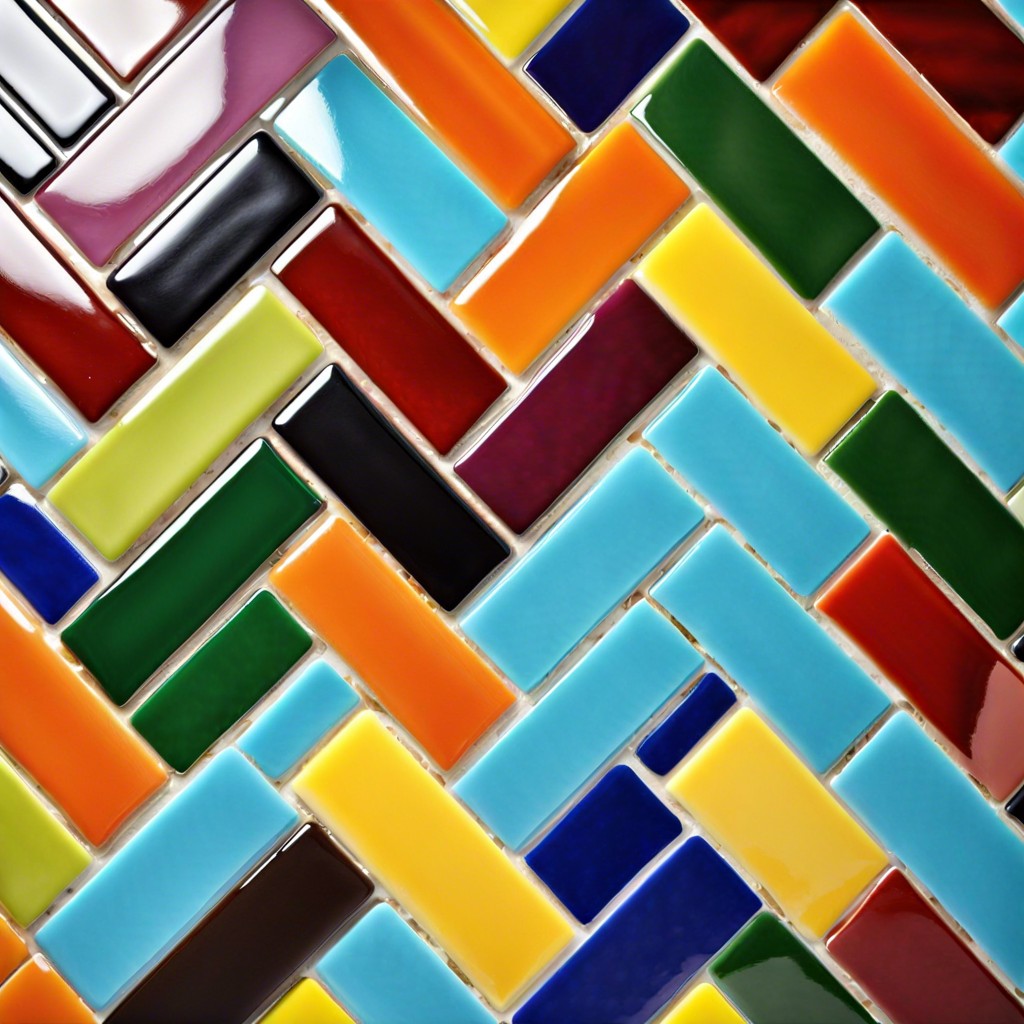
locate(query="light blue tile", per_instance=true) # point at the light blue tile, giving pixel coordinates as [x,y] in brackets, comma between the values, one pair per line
[925,811]
[1012,150]
[384,973]
[544,759]
[1012,321]
[391,172]
[820,698]
[309,707]
[37,435]
[723,446]
[1015,9]
[946,356]
[588,562]
[156,887]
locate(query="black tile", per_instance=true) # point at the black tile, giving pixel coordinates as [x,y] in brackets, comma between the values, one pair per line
[1015,807]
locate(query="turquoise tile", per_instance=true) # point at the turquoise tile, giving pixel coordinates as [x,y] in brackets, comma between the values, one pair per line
[383,973]
[722,446]
[37,435]
[391,172]
[544,759]
[156,887]
[821,699]
[1012,150]
[945,355]
[923,809]
[1012,321]
[588,562]
[307,710]
[1015,9]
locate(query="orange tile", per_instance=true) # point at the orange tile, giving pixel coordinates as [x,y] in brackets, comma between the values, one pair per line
[880,120]
[590,224]
[66,734]
[425,674]
[12,949]
[500,133]
[37,994]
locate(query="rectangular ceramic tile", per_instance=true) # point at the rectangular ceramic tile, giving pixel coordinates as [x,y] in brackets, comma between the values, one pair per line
[158,884]
[13,950]
[42,72]
[785,510]
[150,458]
[940,826]
[263,932]
[226,677]
[191,569]
[760,802]
[510,25]
[172,127]
[912,964]
[491,123]
[1012,321]
[748,321]
[384,972]
[572,242]
[66,735]
[771,647]
[588,562]
[305,712]
[379,317]
[54,317]
[910,319]
[885,125]
[391,172]
[307,1001]
[396,494]
[38,993]
[25,160]
[762,176]
[194,258]
[546,757]
[422,845]
[637,960]
[602,53]
[901,469]
[421,671]
[616,361]
[38,856]
[923,643]
[614,830]
[703,1004]
[39,560]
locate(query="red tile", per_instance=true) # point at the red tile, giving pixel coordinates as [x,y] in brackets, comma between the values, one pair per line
[922,642]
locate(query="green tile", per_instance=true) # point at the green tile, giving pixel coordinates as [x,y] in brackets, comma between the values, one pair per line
[773,978]
[786,201]
[221,681]
[903,471]
[190,571]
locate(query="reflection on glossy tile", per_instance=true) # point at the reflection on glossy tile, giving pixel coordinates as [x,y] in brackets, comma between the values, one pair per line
[1012,321]
[510,25]
[24,159]
[703,1005]
[37,994]
[306,1003]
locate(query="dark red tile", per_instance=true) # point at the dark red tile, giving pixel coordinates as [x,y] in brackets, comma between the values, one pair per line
[913,965]
[44,306]
[920,640]
[617,361]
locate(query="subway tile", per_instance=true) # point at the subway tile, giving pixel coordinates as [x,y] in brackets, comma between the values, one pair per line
[38,994]
[25,160]
[507,25]
[306,1003]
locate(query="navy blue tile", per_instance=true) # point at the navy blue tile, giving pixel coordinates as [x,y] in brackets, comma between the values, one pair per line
[704,705]
[39,560]
[601,54]
[634,964]
[617,828]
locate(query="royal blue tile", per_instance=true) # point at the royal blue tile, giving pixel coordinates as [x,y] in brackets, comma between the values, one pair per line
[602,53]
[39,560]
[617,828]
[704,705]
[660,937]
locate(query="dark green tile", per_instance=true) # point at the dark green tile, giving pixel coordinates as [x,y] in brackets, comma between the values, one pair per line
[198,562]
[903,471]
[787,202]
[773,978]
[221,681]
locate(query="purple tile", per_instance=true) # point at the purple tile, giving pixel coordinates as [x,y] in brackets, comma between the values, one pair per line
[614,365]
[233,68]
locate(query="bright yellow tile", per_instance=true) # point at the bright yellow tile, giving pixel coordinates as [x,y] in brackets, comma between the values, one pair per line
[747,319]
[433,858]
[704,1005]
[164,444]
[306,1003]
[756,797]
[511,25]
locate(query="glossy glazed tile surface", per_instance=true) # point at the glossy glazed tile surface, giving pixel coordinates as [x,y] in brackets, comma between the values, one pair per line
[24,158]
